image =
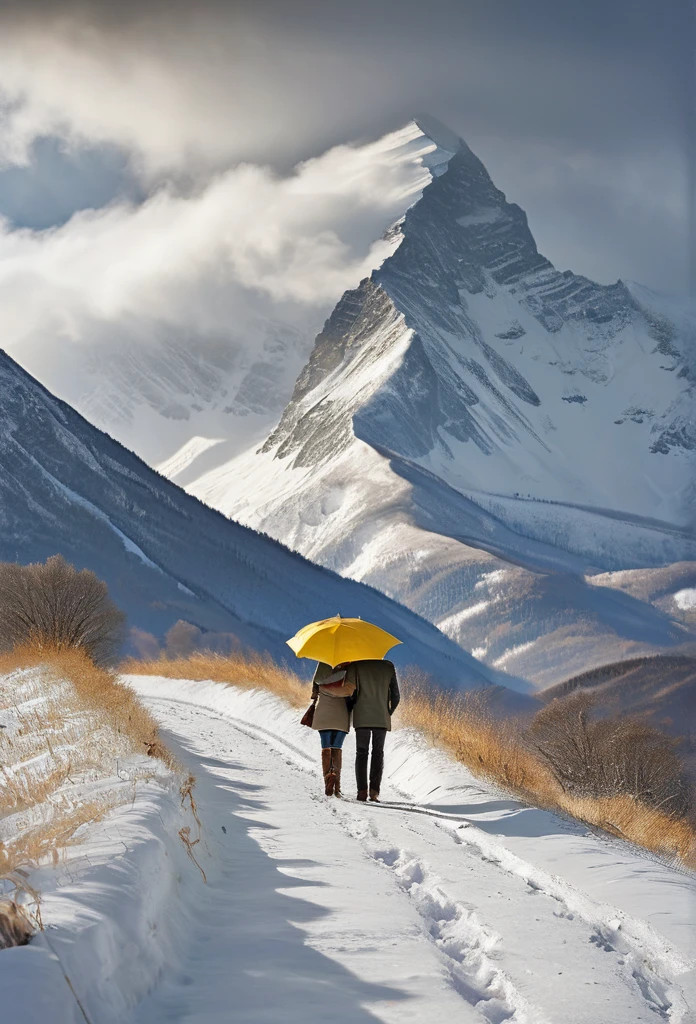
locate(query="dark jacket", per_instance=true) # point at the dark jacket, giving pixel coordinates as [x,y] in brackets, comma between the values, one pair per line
[376,694]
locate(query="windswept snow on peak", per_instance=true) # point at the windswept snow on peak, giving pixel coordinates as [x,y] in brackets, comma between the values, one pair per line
[446,142]
[66,488]
[470,401]
[191,316]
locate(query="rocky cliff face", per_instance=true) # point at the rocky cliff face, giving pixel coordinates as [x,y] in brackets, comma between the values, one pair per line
[469,353]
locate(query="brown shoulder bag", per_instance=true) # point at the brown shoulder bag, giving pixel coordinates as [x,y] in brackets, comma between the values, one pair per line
[308,716]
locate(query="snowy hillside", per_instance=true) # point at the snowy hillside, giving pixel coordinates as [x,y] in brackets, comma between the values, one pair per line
[448,901]
[67,488]
[477,434]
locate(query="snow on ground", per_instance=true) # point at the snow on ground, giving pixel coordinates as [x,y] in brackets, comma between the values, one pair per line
[57,756]
[448,900]
[685,599]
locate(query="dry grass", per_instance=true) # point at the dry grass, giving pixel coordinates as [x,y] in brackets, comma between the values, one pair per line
[97,693]
[16,927]
[248,670]
[495,749]
[69,728]
[498,750]
[462,725]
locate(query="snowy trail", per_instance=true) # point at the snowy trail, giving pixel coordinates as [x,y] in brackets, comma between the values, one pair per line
[407,911]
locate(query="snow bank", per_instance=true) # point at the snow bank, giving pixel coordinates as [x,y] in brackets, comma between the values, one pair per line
[118,910]
[110,917]
[102,823]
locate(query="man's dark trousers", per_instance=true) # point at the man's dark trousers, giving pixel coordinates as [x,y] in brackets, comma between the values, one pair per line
[362,750]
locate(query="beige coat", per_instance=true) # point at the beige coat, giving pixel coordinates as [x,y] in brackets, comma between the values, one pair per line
[331,711]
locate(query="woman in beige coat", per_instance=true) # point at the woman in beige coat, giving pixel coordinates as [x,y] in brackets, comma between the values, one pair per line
[332,721]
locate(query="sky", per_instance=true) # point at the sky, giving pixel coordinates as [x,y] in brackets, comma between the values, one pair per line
[581,112]
[149,150]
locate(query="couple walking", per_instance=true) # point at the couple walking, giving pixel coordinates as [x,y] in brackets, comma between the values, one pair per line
[368,690]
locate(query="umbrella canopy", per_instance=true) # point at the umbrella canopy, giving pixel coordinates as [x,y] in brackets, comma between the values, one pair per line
[336,640]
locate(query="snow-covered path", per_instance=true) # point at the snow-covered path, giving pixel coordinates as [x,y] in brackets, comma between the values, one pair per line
[408,911]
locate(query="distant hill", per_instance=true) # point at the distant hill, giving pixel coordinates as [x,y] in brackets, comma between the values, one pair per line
[661,689]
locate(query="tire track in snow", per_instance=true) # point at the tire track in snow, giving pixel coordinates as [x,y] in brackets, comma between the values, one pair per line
[464,942]
[637,946]
[648,958]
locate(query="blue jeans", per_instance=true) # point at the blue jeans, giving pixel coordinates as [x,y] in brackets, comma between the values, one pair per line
[332,738]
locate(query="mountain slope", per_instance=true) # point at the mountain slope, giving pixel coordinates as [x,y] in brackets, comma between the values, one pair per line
[470,355]
[65,487]
[661,690]
[469,410]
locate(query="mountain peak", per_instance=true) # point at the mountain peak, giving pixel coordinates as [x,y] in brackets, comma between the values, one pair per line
[441,142]
[443,137]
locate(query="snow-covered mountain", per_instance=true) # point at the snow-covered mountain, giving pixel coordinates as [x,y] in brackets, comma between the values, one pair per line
[68,488]
[476,433]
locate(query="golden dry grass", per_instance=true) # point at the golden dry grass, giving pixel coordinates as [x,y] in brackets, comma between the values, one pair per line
[461,725]
[97,691]
[494,749]
[248,670]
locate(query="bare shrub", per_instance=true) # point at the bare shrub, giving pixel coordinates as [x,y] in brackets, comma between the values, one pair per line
[225,644]
[56,607]
[595,756]
[145,644]
[185,638]
[182,639]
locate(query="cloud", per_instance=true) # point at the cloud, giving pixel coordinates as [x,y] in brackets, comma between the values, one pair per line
[187,90]
[188,86]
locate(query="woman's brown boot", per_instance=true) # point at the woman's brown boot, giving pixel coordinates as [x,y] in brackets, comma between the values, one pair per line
[328,770]
[338,764]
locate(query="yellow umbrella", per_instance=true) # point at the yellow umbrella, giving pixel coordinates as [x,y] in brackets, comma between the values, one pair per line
[336,640]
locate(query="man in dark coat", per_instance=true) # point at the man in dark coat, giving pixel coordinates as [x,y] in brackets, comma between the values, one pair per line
[374,702]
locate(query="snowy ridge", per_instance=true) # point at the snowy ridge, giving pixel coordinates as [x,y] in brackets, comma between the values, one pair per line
[110,914]
[485,362]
